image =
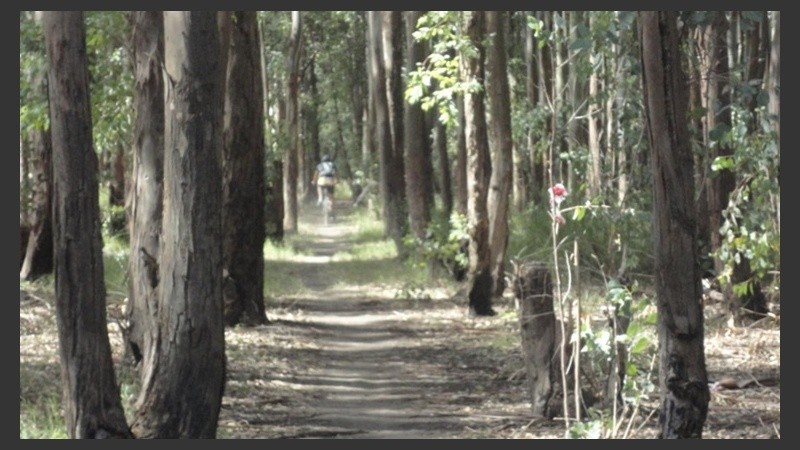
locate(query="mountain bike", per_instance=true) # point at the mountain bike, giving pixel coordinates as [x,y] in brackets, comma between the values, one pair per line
[328,214]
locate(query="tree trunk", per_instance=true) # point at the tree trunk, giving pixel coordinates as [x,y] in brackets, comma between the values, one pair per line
[534,291]
[682,369]
[92,406]
[595,183]
[533,93]
[559,170]
[24,196]
[502,155]
[460,176]
[573,95]
[391,34]
[621,98]
[440,144]
[273,169]
[311,120]
[478,169]
[292,160]
[24,185]
[392,210]
[716,99]
[774,90]
[419,181]
[369,138]
[544,61]
[116,190]
[38,253]
[243,177]
[182,390]
[752,303]
[774,79]
[359,92]
[148,185]
[702,167]
[754,60]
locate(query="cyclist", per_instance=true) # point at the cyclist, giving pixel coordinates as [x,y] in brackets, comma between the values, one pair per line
[325,177]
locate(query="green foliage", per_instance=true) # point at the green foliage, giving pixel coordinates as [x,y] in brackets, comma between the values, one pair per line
[41,413]
[751,226]
[605,235]
[594,428]
[33,109]
[436,82]
[600,342]
[412,291]
[42,421]
[443,243]
[111,79]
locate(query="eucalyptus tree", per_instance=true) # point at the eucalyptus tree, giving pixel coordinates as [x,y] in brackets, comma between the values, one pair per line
[111,76]
[292,153]
[92,404]
[273,29]
[182,389]
[391,168]
[36,178]
[730,90]
[480,283]
[499,188]
[682,369]
[147,189]
[243,175]
[417,153]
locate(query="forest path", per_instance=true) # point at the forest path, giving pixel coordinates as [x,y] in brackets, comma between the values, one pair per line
[363,364]
[369,380]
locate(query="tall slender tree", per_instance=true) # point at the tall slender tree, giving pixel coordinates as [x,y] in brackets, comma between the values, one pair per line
[292,154]
[460,169]
[502,153]
[182,389]
[393,216]
[146,196]
[682,369]
[478,168]
[38,251]
[419,180]
[243,177]
[392,50]
[774,79]
[92,406]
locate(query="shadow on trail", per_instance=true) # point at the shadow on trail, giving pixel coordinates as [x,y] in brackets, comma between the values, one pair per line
[359,363]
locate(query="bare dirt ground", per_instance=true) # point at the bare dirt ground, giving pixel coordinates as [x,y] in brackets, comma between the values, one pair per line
[342,361]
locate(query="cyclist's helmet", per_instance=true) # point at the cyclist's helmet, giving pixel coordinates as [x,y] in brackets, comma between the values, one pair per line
[326,158]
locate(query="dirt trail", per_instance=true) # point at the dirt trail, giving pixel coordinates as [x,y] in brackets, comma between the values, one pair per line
[369,380]
[346,359]
[349,360]
[363,364]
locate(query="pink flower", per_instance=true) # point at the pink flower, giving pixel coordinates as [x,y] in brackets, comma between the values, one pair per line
[557,194]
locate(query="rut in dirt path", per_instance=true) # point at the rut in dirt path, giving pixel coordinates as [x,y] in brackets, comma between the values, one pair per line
[370,380]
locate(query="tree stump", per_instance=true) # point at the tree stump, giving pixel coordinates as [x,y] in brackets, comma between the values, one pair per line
[533,291]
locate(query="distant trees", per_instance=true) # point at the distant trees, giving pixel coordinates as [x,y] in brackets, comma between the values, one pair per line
[457,115]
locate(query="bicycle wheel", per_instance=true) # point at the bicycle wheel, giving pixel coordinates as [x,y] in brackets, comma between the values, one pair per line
[327,207]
